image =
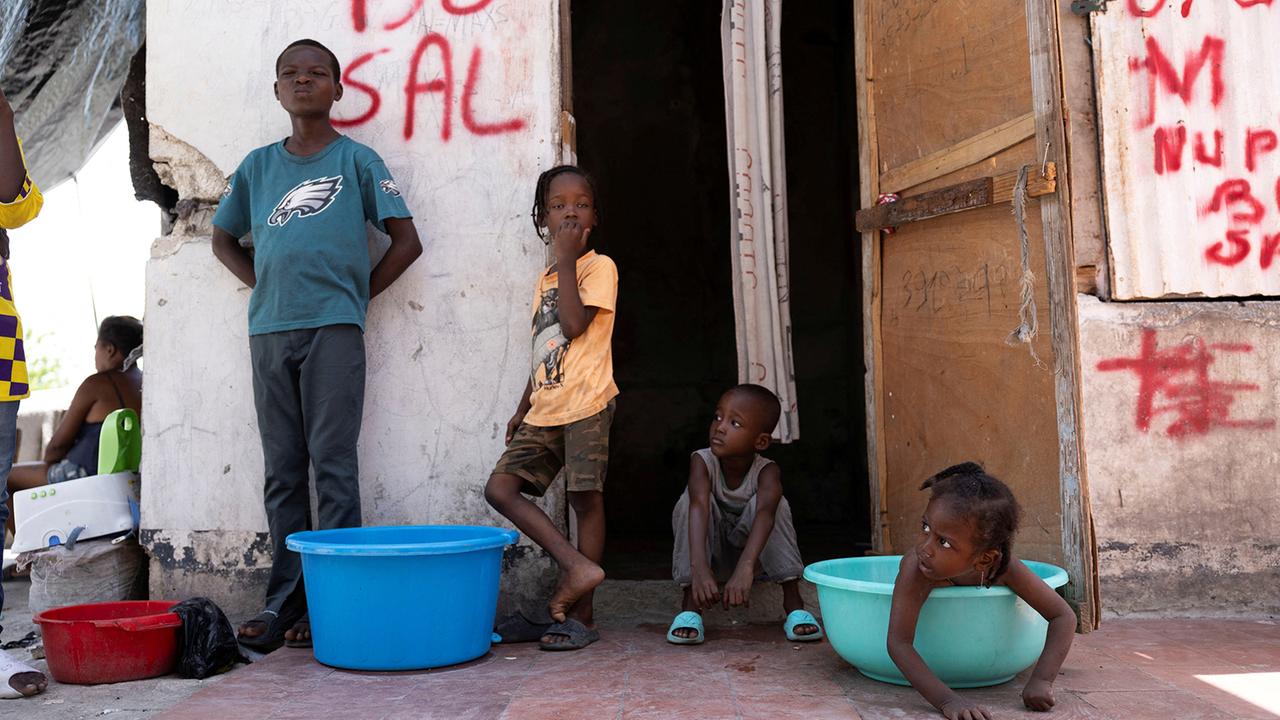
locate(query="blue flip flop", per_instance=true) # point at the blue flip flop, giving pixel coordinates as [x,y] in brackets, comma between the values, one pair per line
[686,619]
[801,617]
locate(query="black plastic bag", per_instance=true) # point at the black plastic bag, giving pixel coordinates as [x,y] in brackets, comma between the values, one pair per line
[208,641]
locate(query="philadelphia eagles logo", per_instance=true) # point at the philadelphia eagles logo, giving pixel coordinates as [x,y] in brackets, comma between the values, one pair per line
[310,197]
[390,187]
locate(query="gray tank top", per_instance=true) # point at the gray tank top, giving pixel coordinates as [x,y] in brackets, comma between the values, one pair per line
[732,501]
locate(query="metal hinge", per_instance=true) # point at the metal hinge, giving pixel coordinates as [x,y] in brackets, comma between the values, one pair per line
[1084,7]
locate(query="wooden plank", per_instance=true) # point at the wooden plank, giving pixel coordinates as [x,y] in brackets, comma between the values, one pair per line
[1038,184]
[944,70]
[1079,554]
[944,201]
[961,155]
[566,56]
[868,162]
[968,195]
[568,125]
[1088,234]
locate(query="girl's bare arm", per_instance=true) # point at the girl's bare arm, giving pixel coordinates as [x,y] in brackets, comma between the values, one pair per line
[1038,693]
[910,590]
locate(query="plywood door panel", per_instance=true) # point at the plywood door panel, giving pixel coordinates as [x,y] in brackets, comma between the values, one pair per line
[950,387]
[954,390]
[944,72]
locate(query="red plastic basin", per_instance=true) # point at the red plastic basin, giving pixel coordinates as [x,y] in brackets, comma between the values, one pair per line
[110,642]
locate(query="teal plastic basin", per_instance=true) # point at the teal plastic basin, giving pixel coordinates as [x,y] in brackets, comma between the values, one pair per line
[968,636]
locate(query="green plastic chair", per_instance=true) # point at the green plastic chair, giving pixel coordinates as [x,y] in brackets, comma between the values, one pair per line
[120,444]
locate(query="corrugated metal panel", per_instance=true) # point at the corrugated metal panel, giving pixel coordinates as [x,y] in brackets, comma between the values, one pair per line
[1189,103]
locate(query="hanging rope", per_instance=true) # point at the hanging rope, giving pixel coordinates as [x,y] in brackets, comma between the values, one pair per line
[1028,326]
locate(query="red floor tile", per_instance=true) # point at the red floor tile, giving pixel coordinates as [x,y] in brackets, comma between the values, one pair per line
[557,707]
[1187,680]
[1254,655]
[786,706]
[1166,653]
[1089,670]
[1152,706]
[1130,670]
[664,707]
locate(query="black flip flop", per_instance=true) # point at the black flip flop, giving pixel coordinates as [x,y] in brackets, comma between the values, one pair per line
[270,639]
[579,636]
[304,620]
[516,628]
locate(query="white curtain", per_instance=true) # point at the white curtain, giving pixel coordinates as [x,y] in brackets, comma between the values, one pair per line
[751,46]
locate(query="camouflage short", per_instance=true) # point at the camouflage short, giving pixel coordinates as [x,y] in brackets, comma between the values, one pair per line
[537,454]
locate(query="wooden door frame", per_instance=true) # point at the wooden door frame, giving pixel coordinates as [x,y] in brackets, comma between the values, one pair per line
[1048,94]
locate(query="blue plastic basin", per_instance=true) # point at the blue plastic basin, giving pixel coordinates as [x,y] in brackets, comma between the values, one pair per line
[968,636]
[401,598]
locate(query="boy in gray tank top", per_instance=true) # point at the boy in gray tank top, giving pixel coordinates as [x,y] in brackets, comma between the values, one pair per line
[733,521]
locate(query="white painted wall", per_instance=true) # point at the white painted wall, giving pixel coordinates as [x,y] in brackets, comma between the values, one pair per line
[447,346]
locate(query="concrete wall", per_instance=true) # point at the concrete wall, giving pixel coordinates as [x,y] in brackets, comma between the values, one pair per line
[447,345]
[1182,442]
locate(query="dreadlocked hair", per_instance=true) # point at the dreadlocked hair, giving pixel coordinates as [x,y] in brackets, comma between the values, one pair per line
[543,189]
[987,502]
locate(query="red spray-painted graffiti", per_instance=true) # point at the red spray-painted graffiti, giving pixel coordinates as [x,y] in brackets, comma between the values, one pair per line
[1176,381]
[1162,74]
[419,63]
[1201,82]
[1153,7]
[360,12]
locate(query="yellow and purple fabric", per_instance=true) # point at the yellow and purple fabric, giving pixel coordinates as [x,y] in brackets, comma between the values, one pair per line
[22,209]
[13,359]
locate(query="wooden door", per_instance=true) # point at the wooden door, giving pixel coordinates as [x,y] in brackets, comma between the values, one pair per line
[948,102]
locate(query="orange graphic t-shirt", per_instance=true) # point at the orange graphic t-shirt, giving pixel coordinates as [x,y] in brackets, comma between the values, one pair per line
[573,379]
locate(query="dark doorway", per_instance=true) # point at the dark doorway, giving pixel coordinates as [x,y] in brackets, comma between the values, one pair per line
[649,103]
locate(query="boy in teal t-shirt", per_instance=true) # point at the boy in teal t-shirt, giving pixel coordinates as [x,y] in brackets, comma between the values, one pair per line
[306,201]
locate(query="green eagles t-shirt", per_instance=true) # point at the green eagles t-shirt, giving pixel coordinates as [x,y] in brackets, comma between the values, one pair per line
[307,216]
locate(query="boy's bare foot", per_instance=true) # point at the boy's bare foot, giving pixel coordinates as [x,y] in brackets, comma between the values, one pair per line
[575,581]
[22,680]
[687,633]
[29,683]
[791,601]
[805,629]
[251,629]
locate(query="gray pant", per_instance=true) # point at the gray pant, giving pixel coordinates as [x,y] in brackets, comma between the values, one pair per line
[308,388]
[779,561]
[8,449]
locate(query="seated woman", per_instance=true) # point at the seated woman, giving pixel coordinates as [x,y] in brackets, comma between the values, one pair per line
[73,450]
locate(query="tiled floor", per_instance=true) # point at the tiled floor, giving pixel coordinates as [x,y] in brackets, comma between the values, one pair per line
[1131,669]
